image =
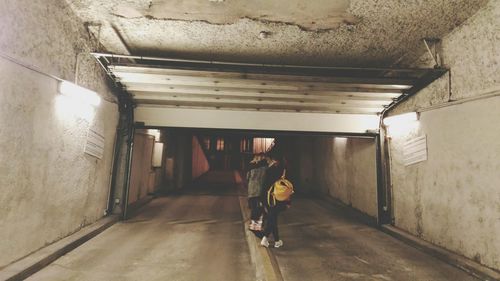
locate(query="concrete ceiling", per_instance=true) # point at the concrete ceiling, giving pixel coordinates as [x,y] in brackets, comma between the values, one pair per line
[365,33]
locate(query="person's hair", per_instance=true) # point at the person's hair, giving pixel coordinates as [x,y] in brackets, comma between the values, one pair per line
[275,155]
[257,158]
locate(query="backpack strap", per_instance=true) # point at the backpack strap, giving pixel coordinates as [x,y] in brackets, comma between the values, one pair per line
[271,200]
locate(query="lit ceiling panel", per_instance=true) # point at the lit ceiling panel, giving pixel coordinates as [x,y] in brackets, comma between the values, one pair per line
[163,82]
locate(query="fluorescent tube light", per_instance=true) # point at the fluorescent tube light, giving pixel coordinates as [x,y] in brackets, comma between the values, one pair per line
[401,119]
[79,93]
[155,133]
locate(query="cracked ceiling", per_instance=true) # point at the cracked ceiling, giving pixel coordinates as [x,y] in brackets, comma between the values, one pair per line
[365,33]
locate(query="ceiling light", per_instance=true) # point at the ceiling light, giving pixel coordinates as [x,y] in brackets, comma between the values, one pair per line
[79,93]
[155,133]
[401,119]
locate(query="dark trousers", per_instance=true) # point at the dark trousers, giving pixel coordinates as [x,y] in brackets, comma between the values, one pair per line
[254,204]
[272,221]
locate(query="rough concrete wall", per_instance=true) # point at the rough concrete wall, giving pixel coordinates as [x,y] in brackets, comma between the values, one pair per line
[354,173]
[323,173]
[179,158]
[305,166]
[200,163]
[50,188]
[344,168]
[453,199]
[340,164]
[363,175]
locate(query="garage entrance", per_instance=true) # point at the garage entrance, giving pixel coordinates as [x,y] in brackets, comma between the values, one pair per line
[301,100]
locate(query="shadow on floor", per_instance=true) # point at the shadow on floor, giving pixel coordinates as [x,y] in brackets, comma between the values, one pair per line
[219,183]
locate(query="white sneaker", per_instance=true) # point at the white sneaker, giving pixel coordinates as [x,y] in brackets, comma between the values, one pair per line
[278,243]
[253,225]
[264,242]
[258,227]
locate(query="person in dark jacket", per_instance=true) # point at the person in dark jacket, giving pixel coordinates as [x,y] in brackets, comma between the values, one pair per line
[255,179]
[273,207]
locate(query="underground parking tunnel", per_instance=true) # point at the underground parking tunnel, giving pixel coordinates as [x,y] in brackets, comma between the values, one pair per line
[133,134]
[188,207]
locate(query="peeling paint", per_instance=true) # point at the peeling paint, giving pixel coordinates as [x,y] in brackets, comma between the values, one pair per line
[368,33]
[311,16]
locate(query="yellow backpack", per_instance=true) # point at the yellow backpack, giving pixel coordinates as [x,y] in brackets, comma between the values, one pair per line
[281,190]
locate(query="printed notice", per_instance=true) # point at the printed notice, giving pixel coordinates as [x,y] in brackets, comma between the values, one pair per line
[415,150]
[95,143]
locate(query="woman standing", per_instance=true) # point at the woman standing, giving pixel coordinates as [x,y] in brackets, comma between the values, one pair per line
[273,207]
[255,179]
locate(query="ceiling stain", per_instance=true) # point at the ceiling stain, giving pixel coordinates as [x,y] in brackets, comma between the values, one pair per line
[127,12]
[366,33]
[317,15]
[309,15]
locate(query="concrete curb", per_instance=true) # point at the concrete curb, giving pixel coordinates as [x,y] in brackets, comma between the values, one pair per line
[465,264]
[266,266]
[36,261]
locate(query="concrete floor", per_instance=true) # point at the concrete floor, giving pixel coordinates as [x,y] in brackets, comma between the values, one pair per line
[188,237]
[199,236]
[322,242]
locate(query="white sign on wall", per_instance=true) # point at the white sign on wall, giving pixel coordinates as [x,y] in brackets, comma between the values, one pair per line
[415,150]
[95,143]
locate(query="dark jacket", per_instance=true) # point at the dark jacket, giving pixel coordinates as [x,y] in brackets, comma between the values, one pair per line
[273,174]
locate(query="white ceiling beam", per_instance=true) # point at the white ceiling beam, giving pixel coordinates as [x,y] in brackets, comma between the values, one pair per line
[260,97]
[330,108]
[253,120]
[265,96]
[302,100]
[155,88]
[253,76]
[247,83]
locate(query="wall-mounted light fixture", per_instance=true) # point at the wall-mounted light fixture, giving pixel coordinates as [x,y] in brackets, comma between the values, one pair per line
[79,93]
[401,119]
[156,160]
[155,133]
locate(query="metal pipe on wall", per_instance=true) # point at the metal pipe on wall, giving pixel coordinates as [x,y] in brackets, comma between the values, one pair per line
[97,55]
[384,194]
[125,129]
[381,187]
[128,169]
[121,133]
[112,178]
